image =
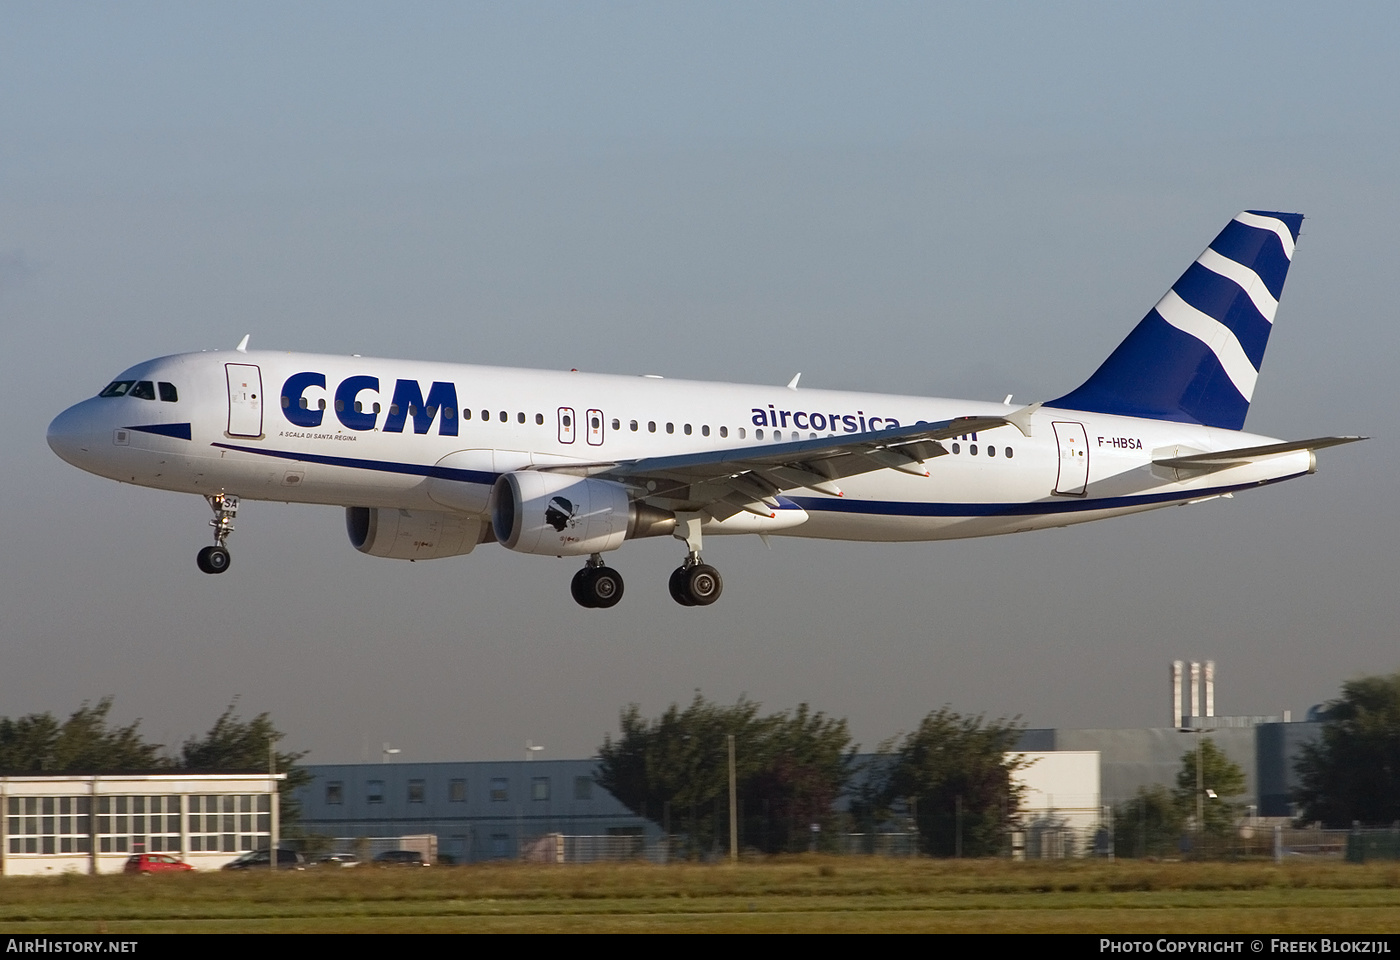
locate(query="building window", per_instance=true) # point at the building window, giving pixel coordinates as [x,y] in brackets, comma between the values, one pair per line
[456,791]
[583,788]
[500,789]
[374,791]
[539,788]
[416,789]
[335,791]
[500,844]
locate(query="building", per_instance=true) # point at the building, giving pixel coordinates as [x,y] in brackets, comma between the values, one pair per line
[93,823]
[485,810]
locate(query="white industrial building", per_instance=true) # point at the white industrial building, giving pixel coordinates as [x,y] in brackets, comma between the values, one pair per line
[93,823]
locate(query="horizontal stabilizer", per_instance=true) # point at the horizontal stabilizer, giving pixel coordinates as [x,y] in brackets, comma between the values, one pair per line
[1229,458]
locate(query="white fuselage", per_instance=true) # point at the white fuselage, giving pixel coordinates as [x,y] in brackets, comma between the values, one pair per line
[321,429]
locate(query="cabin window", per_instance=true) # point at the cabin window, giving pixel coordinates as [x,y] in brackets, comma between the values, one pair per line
[486,414]
[687,429]
[466,414]
[505,417]
[633,426]
[617,424]
[568,421]
[724,431]
[705,430]
[743,433]
[991,450]
[539,419]
[340,406]
[758,434]
[447,413]
[957,448]
[321,404]
[117,388]
[1008,453]
[520,417]
[651,426]
[168,393]
[972,449]
[670,428]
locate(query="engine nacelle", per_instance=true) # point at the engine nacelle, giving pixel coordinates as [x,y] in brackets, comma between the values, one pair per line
[559,515]
[411,534]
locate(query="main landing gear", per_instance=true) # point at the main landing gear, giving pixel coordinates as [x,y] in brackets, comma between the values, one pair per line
[596,585]
[216,559]
[692,584]
[695,584]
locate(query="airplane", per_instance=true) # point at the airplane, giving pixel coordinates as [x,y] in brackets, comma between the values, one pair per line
[433,459]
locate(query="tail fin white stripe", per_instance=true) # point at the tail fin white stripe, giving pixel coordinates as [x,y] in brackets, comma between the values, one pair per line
[1269,223]
[1214,334]
[1246,278]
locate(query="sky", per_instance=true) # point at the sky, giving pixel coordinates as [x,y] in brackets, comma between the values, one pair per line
[963,200]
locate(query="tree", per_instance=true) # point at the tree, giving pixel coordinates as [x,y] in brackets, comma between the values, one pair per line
[1352,773]
[1149,825]
[233,743]
[789,768]
[958,772]
[83,743]
[1219,775]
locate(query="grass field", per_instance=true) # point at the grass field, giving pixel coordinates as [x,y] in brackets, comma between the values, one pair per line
[846,894]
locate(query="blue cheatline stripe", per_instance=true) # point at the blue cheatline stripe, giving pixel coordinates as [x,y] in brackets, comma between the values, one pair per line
[1222,299]
[180,431]
[895,508]
[1260,250]
[383,466]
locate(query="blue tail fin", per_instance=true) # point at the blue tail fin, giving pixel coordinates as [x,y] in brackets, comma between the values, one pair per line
[1196,356]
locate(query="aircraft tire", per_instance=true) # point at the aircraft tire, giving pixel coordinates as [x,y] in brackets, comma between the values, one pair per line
[213,560]
[605,587]
[678,587]
[703,584]
[582,587]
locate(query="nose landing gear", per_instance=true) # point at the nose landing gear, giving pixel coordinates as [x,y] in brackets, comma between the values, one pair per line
[216,559]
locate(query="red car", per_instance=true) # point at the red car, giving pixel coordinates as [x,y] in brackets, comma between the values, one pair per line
[149,863]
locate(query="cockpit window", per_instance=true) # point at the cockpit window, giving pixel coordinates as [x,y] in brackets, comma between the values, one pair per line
[144,390]
[117,388]
[168,392]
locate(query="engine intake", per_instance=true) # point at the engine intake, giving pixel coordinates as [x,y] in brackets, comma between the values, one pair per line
[559,515]
[411,534]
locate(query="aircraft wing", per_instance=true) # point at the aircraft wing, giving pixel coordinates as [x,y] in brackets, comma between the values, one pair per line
[1221,459]
[724,482]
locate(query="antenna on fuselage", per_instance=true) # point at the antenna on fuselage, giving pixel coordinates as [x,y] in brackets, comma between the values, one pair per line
[243,344]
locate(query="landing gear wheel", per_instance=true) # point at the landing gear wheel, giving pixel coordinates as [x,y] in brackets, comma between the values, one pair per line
[607,587]
[703,584]
[698,585]
[213,560]
[582,587]
[597,587]
[678,588]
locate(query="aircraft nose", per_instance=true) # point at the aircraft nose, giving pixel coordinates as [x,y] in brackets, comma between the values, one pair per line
[71,434]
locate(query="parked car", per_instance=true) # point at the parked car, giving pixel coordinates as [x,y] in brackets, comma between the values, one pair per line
[400,858]
[336,860]
[286,860]
[149,863]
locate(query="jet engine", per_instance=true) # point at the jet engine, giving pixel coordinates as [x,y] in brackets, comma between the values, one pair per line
[411,534]
[559,515]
